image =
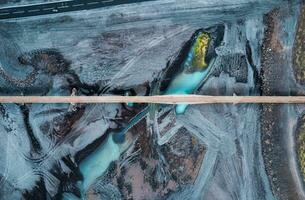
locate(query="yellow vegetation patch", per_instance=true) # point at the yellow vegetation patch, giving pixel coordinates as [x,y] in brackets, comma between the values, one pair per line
[201,48]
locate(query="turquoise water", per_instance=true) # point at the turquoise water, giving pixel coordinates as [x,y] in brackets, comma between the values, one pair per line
[187,83]
[130,104]
[97,163]
[194,70]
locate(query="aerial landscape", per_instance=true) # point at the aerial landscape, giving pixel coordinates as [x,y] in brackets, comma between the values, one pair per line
[152,151]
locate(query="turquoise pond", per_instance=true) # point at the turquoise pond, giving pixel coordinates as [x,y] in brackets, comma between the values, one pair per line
[187,83]
[95,165]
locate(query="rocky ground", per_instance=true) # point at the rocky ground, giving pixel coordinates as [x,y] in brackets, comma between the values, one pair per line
[278,122]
